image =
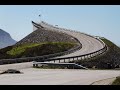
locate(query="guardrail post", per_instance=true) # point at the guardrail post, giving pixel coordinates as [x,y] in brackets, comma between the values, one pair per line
[94,54]
[90,55]
[69,59]
[84,57]
[97,53]
[81,58]
[87,56]
[64,60]
[59,60]
[77,58]
[33,65]
[100,52]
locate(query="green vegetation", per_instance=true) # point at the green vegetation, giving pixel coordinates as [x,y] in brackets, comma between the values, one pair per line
[109,60]
[34,49]
[117,81]
[20,49]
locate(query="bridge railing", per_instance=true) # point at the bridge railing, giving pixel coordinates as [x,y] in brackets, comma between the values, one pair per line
[45,58]
[61,29]
[28,59]
[66,59]
[89,55]
[74,58]
[68,65]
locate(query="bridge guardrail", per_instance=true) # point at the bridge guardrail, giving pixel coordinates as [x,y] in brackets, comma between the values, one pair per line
[27,59]
[81,57]
[45,57]
[89,54]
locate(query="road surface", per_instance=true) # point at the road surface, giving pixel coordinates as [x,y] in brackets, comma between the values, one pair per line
[33,76]
[89,44]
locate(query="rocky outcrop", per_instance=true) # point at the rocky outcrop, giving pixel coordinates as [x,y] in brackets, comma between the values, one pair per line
[5,39]
[43,35]
[10,71]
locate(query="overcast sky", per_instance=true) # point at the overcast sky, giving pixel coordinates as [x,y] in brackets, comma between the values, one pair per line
[98,20]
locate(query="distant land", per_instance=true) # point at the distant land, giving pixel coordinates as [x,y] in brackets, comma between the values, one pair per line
[5,39]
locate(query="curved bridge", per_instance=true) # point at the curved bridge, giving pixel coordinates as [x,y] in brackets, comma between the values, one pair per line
[90,44]
[91,47]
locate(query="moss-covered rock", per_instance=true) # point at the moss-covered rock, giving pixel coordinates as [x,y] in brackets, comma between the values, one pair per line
[35,49]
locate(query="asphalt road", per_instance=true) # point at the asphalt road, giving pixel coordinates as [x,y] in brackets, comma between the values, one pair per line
[89,44]
[33,76]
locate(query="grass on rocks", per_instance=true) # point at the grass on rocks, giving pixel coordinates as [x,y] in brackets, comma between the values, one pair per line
[34,49]
[20,49]
[109,60]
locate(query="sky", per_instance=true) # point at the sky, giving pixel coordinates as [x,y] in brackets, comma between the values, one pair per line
[97,20]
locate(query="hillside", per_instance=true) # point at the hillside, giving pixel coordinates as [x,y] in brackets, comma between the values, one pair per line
[38,43]
[32,50]
[5,39]
[42,35]
[109,60]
